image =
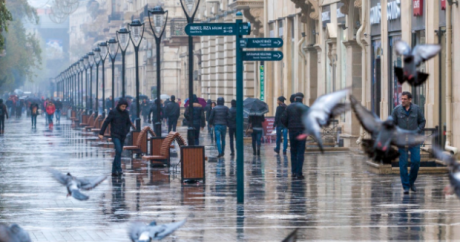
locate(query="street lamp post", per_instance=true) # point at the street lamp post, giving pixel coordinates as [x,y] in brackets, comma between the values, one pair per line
[86,65]
[103,55]
[123,41]
[82,69]
[91,64]
[97,61]
[190,8]
[160,18]
[113,51]
[136,35]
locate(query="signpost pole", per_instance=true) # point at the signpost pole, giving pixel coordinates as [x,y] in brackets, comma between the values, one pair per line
[239,115]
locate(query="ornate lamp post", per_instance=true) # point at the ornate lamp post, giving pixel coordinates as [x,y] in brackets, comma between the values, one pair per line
[160,18]
[103,55]
[123,41]
[136,35]
[97,61]
[81,65]
[86,65]
[113,50]
[91,64]
[190,7]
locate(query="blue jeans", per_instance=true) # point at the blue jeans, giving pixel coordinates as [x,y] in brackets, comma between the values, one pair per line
[211,132]
[407,179]
[49,117]
[231,133]
[297,151]
[58,115]
[281,131]
[34,120]
[116,165]
[221,132]
[256,138]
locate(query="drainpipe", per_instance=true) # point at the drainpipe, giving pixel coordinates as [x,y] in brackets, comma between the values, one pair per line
[449,79]
[363,61]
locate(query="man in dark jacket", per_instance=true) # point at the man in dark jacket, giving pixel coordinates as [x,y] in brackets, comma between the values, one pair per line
[409,116]
[145,109]
[198,117]
[207,111]
[219,119]
[280,129]
[172,112]
[292,119]
[232,125]
[58,105]
[34,114]
[154,114]
[3,114]
[119,128]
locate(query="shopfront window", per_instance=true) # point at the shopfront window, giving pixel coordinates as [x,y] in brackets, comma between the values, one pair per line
[376,76]
[395,87]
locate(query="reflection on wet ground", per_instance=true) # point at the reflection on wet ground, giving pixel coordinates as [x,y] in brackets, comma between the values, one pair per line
[338,200]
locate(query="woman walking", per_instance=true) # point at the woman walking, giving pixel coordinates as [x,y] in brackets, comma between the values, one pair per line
[255,123]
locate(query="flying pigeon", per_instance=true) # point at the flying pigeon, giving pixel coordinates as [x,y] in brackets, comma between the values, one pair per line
[412,59]
[292,237]
[322,112]
[384,134]
[13,233]
[74,184]
[454,169]
[139,232]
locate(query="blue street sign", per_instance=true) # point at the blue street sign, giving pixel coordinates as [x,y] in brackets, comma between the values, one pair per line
[262,55]
[210,29]
[261,43]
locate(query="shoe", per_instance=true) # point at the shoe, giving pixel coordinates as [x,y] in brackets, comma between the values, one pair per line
[413,188]
[300,177]
[219,156]
[114,174]
[284,153]
[276,151]
[406,191]
[294,176]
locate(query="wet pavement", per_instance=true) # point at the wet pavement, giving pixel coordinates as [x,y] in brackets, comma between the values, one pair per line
[338,200]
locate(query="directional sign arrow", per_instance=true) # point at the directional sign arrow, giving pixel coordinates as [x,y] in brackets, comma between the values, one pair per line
[262,43]
[262,55]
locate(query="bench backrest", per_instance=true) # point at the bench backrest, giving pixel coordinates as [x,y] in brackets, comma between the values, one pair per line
[141,140]
[96,121]
[90,119]
[166,145]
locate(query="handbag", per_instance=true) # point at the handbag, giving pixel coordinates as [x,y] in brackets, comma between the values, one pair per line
[249,130]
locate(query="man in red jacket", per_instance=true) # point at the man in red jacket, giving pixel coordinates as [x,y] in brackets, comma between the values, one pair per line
[50,109]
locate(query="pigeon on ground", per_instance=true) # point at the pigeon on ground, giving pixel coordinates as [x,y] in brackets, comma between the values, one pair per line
[322,112]
[412,59]
[74,184]
[292,237]
[454,169]
[139,232]
[384,134]
[13,233]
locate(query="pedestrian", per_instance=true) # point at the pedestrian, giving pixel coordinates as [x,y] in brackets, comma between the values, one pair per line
[207,111]
[58,105]
[172,113]
[108,103]
[119,129]
[292,119]
[281,131]
[179,101]
[232,126]
[255,124]
[145,109]
[50,109]
[409,116]
[133,111]
[3,114]
[198,120]
[153,113]
[34,113]
[219,120]
[9,105]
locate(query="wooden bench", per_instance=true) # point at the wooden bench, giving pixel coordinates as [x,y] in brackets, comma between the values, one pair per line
[98,126]
[95,123]
[164,156]
[89,120]
[140,145]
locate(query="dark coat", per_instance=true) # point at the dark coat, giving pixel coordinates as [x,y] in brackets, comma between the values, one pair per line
[232,118]
[58,105]
[279,111]
[32,106]
[292,116]
[153,113]
[219,114]
[145,108]
[119,122]
[208,109]
[414,121]
[256,121]
[198,115]
[4,111]
[172,110]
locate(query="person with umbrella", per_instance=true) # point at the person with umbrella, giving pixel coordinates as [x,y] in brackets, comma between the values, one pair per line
[292,119]
[256,110]
[198,120]
[219,119]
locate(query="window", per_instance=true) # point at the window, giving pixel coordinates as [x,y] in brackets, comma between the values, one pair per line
[272,30]
[280,28]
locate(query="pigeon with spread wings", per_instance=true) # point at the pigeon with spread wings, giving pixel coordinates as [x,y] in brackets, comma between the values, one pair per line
[454,169]
[412,59]
[139,232]
[74,184]
[385,134]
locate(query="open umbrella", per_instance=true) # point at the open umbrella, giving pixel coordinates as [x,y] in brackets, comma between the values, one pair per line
[200,101]
[255,107]
[164,96]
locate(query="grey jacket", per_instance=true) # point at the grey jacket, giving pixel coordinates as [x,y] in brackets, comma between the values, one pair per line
[415,120]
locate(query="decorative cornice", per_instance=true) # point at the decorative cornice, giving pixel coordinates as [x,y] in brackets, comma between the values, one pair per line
[315,5]
[244,4]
